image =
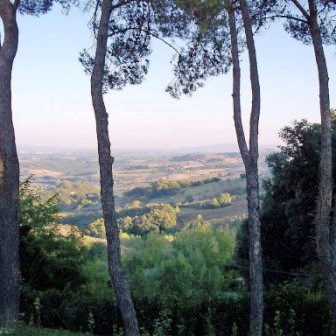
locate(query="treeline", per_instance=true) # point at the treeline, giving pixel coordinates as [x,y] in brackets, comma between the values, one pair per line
[165,188]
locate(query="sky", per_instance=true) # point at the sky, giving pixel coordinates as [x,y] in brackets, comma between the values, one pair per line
[52,102]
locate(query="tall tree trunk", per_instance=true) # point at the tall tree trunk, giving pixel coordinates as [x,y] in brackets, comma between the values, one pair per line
[123,295]
[257,305]
[250,158]
[325,238]
[9,174]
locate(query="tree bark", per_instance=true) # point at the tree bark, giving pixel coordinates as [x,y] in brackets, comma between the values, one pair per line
[9,174]
[325,236]
[118,278]
[250,158]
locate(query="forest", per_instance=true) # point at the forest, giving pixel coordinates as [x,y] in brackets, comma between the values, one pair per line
[220,244]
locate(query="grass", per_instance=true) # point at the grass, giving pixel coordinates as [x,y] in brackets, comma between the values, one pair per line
[24,330]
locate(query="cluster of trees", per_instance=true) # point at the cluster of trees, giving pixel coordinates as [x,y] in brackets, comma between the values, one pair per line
[140,221]
[73,194]
[289,203]
[215,33]
[165,188]
[160,218]
[222,200]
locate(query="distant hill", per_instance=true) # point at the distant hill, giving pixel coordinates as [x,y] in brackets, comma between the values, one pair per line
[40,149]
[216,148]
[205,157]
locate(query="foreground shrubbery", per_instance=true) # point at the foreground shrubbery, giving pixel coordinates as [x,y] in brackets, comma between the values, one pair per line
[288,310]
[180,282]
[177,276]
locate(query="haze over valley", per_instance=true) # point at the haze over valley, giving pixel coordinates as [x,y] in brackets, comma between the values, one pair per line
[74,176]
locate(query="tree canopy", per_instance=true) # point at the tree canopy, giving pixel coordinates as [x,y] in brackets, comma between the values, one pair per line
[39,7]
[289,200]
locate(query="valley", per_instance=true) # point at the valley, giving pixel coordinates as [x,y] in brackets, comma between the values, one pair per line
[201,178]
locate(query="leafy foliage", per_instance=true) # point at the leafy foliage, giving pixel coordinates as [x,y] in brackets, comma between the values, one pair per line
[39,7]
[208,51]
[223,200]
[179,267]
[35,213]
[79,193]
[129,44]
[180,284]
[289,201]
[297,24]
[142,221]
[97,228]
[202,24]
[47,259]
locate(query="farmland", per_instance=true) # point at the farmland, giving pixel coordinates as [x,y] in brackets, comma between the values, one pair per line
[74,177]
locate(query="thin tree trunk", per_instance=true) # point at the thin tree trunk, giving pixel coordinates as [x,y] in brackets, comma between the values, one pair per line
[123,295]
[257,305]
[325,240]
[9,175]
[250,158]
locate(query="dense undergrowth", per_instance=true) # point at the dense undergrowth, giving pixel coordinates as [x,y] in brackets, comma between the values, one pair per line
[182,281]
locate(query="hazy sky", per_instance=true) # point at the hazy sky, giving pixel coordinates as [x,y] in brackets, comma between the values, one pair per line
[52,103]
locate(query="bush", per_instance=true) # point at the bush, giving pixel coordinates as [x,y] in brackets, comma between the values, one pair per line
[289,310]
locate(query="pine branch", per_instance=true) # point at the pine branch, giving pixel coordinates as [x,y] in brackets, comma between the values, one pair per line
[301,9]
[124,30]
[290,17]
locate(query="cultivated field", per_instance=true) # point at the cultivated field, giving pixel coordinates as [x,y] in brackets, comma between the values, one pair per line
[74,177]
